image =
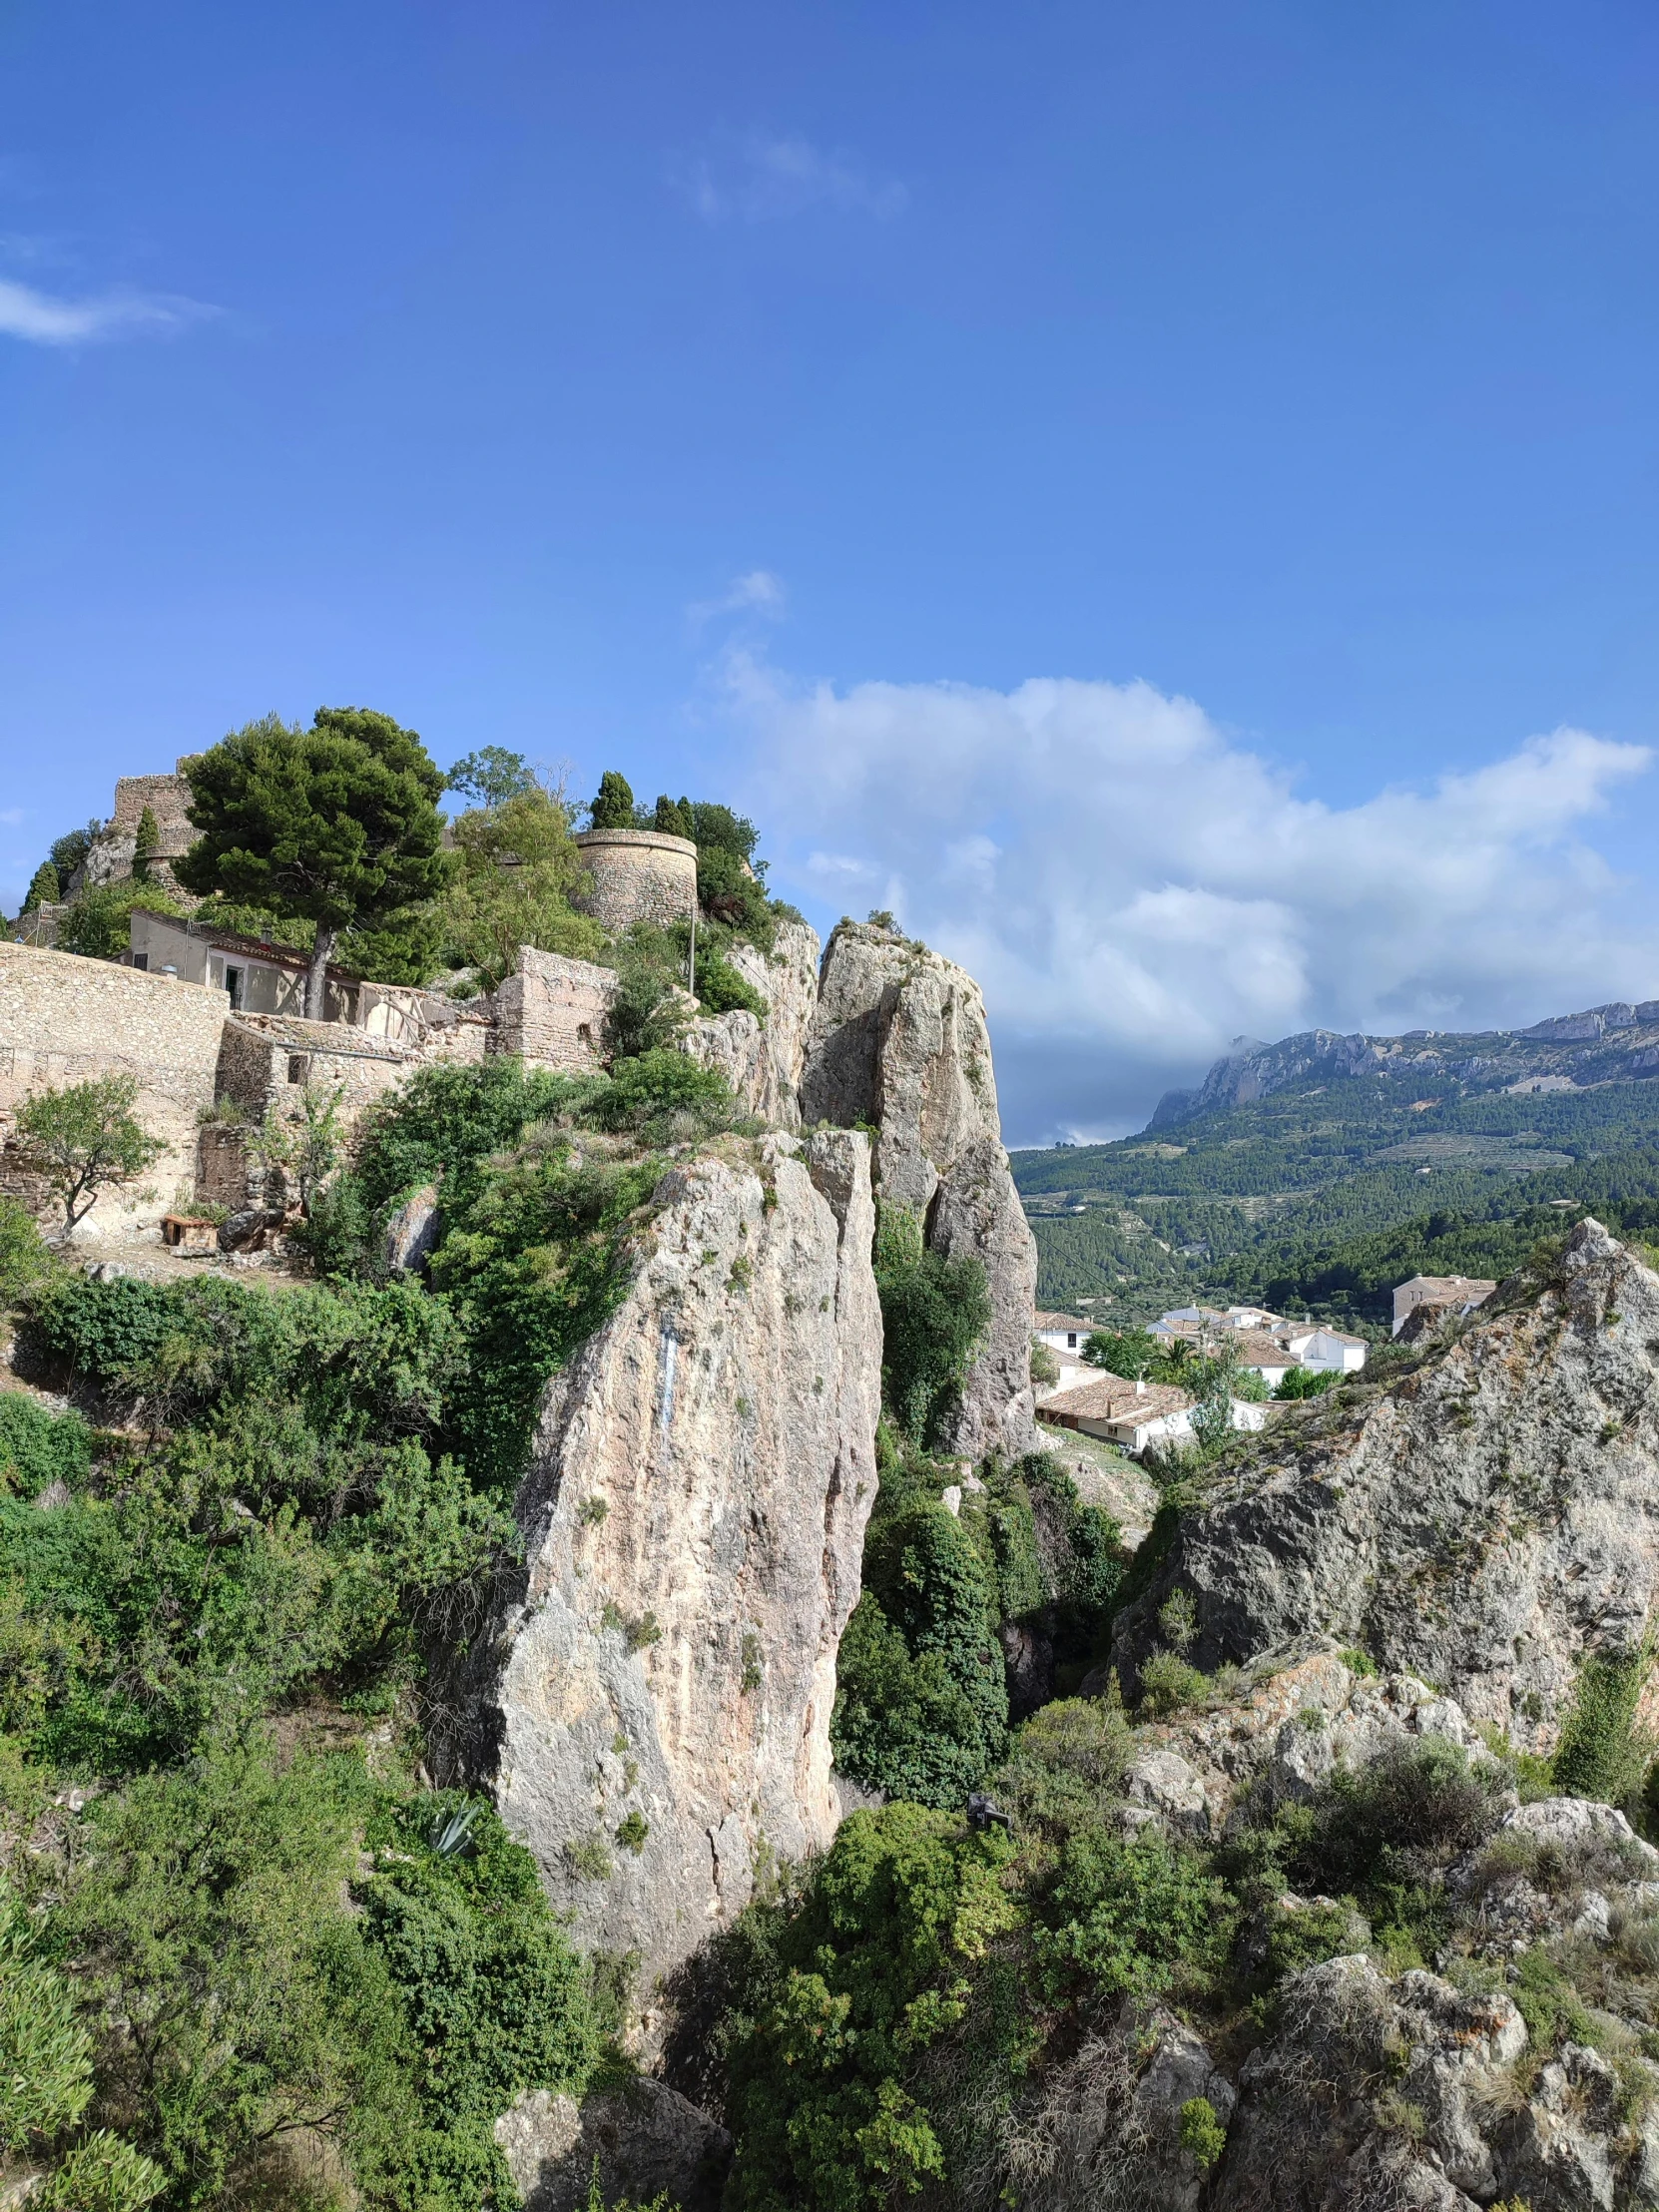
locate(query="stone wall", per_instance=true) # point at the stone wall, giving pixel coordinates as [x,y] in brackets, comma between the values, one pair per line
[638,876]
[268,1061]
[167,797]
[66,1020]
[553,1010]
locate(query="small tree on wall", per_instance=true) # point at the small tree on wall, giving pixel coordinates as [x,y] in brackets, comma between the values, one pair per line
[86,1139]
[145,845]
[613,805]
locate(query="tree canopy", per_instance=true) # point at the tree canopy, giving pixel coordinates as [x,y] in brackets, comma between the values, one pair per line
[337,824]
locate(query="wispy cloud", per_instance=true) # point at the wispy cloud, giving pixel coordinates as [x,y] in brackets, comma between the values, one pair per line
[759,592]
[42,320]
[1133,887]
[760,179]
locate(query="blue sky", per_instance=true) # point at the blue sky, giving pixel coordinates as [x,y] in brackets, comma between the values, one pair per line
[764,399]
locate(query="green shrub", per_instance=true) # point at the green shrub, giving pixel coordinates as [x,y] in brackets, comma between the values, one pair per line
[1065,1766]
[1602,1754]
[24,1263]
[903,1721]
[934,1316]
[721,989]
[1303,1382]
[1168,1683]
[531,1268]
[1130,1919]
[204,1913]
[444,1123]
[101,2174]
[1201,2135]
[99,923]
[38,1448]
[496,2001]
[45,2048]
[936,1594]
[658,1088]
[870,1972]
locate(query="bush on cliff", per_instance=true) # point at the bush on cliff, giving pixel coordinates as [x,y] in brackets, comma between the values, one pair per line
[871,1971]
[922,1706]
[934,1316]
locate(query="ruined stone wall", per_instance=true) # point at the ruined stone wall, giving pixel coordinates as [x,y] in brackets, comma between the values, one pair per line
[65,1020]
[553,1010]
[269,1060]
[638,876]
[167,797]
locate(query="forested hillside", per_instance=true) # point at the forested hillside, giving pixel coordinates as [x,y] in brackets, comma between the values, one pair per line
[1334,1184]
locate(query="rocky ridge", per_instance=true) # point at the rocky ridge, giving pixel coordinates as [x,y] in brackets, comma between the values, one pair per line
[1612,1043]
[1484,1522]
[900,1042]
[655,1694]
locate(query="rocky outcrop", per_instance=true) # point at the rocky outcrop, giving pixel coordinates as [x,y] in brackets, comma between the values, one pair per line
[645,2139]
[410,1236]
[763,1061]
[1404,2092]
[656,1696]
[1295,1719]
[899,1041]
[1482,1523]
[1107,2132]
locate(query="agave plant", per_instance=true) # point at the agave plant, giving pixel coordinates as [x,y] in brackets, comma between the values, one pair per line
[450,1833]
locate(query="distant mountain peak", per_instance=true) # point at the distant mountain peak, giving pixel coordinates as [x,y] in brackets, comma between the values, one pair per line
[1616,1043]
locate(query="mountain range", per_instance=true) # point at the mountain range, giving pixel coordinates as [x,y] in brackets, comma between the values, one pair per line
[1316,1171]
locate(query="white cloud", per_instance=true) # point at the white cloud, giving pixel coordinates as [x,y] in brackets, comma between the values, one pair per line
[758,593]
[762,177]
[1134,888]
[44,320]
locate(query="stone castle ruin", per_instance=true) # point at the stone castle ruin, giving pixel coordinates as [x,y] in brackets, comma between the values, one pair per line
[208,1020]
[638,876]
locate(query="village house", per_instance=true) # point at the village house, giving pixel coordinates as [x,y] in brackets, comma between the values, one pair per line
[1275,1345]
[1134,1415]
[1061,1333]
[259,977]
[1445,1293]
[1321,1348]
[1262,1354]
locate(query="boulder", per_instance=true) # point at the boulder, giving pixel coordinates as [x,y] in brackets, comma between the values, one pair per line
[899,1042]
[409,1239]
[645,2139]
[1484,1524]
[651,1702]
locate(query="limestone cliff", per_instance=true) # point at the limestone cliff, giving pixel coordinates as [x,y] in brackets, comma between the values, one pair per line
[898,1041]
[1484,1522]
[658,1691]
[763,1060]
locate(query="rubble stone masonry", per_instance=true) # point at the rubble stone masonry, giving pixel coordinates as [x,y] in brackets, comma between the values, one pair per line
[553,1010]
[64,1020]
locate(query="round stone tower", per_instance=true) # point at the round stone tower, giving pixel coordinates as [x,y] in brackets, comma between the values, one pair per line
[638,876]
